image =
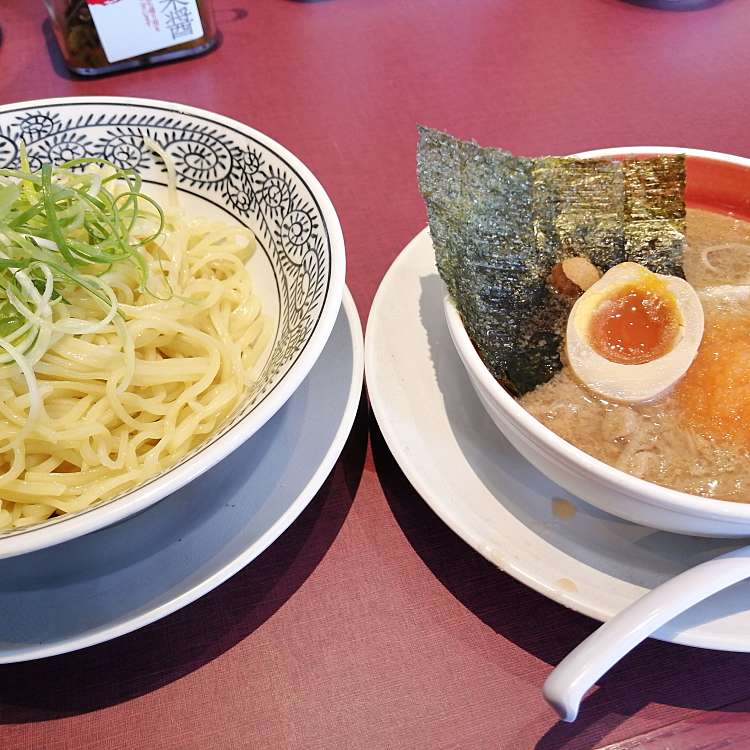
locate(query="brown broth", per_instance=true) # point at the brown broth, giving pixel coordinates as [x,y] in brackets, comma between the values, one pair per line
[696,438]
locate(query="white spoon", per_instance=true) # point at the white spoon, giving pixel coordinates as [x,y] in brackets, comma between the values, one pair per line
[582,667]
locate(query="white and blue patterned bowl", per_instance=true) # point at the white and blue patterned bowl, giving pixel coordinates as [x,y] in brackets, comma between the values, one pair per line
[223,168]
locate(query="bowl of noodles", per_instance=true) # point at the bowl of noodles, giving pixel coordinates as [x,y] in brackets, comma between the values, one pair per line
[168,277]
[661,441]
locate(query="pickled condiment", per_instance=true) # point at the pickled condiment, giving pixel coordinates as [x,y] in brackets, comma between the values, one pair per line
[104,36]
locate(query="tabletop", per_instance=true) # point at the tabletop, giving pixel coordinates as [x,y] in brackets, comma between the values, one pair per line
[369,624]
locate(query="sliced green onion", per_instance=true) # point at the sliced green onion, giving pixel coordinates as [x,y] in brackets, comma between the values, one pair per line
[64,229]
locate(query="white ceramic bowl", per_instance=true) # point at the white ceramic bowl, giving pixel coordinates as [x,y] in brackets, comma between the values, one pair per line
[714,180]
[224,168]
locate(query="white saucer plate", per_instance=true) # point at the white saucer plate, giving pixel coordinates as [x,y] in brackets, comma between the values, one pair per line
[493,498]
[111,582]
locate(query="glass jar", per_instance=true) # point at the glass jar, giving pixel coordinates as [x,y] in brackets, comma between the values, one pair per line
[104,36]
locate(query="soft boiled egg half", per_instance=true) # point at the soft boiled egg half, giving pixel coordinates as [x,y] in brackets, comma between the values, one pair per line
[634,333]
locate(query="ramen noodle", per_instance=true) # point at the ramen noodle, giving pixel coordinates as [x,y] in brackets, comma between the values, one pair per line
[127,341]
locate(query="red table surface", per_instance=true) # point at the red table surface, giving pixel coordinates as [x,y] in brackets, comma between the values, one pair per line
[369,624]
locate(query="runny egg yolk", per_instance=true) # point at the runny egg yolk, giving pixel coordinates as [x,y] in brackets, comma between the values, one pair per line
[637,324]
[633,333]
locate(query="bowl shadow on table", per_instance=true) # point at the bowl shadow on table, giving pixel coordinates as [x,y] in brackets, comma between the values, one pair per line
[190,638]
[534,623]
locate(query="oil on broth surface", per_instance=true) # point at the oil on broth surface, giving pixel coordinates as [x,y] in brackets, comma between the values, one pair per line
[697,438]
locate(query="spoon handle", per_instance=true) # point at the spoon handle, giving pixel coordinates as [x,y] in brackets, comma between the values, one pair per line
[582,667]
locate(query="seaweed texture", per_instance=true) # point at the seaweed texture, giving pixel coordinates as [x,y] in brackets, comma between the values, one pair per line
[499,223]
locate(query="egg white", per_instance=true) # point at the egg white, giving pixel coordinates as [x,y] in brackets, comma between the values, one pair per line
[633,382]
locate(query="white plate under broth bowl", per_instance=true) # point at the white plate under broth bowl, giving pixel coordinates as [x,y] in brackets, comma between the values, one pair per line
[491,497]
[715,181]
[224,169]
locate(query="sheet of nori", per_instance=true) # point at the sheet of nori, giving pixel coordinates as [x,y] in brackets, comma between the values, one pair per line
[578,210]
[655,212]
[499,223]
[479,203]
